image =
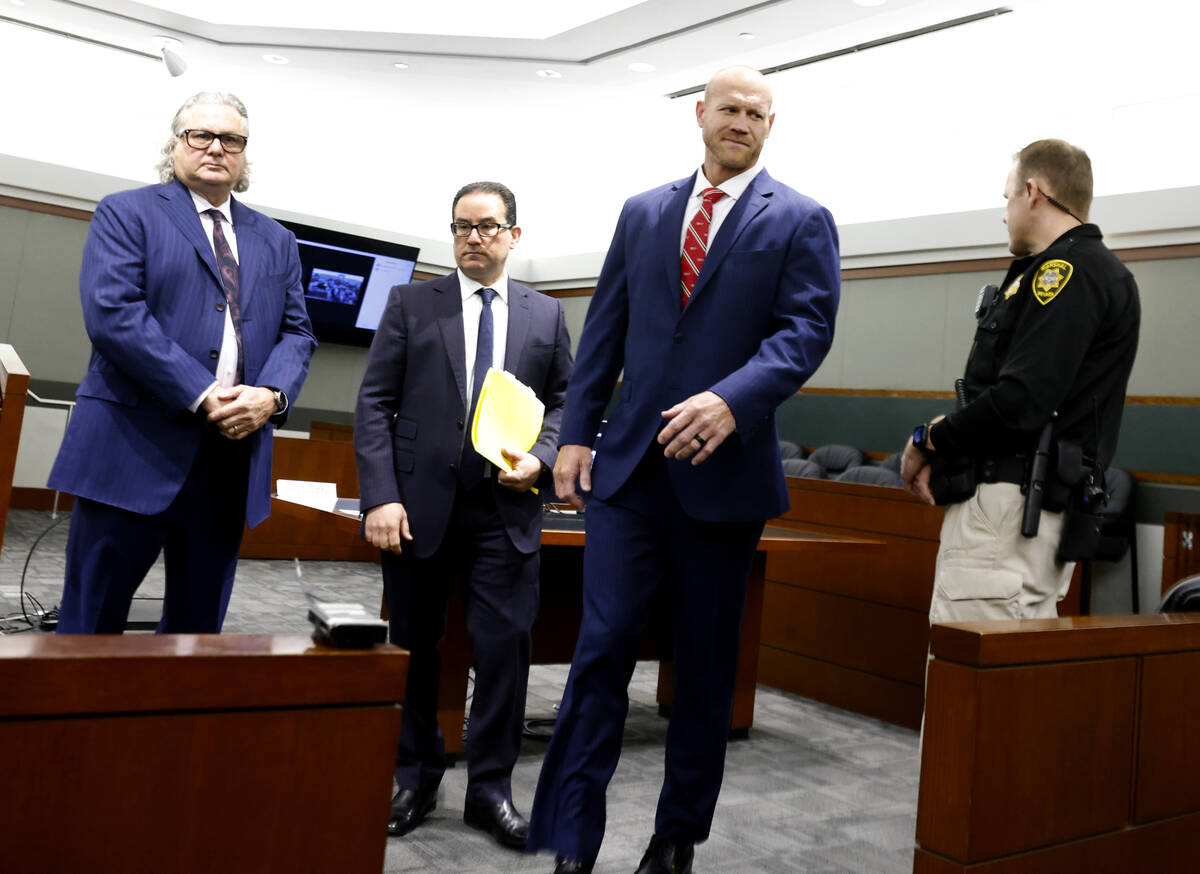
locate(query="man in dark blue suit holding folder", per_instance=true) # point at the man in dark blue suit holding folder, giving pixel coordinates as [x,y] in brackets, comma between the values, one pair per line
[718,299]
[440,512]
[200,341]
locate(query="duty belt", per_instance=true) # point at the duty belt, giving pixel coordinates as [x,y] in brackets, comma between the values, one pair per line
[1001,470]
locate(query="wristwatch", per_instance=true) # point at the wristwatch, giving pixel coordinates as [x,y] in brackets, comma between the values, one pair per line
[919,437]
[280,400]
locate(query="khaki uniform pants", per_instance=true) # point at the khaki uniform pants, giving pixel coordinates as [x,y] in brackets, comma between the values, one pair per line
[987,570]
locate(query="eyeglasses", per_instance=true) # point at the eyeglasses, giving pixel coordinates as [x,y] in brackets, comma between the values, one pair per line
[202,139]
[486,229]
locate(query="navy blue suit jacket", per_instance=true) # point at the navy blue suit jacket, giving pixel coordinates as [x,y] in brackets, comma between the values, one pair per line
[410,421]
[759,323]
[154,310]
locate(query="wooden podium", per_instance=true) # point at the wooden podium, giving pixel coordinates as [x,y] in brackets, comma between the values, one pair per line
[1064,744]
[196,753]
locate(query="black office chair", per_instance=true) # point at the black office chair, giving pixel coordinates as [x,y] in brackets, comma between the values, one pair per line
[1118,533]
[1184,597]
[835,458]
[788,449]
[803,467]
[869,474]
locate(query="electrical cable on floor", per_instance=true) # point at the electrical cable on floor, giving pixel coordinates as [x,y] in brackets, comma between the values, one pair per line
[42,618]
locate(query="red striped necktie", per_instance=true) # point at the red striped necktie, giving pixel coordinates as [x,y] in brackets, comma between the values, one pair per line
[695,243]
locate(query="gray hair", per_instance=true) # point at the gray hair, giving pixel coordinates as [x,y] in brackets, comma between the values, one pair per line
[166,164]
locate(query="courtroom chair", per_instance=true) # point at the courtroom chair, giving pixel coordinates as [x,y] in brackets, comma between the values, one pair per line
[803,467]
[1118,534]
[892,462]
[869,474]
[788,449]
[1183,597]
[835,458]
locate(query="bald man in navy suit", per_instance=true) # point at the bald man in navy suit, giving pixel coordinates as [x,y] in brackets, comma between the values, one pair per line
[200,342]
[717,300]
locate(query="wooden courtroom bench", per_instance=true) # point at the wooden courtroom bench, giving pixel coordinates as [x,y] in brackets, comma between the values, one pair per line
[1060,745]
[196,753]
[14,383]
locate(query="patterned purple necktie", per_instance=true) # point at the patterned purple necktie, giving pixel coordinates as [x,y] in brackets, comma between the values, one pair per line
[230,282]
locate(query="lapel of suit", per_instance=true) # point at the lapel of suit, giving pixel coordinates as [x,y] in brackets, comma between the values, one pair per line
[447,309]
[670,226]
[752,202]
[249,254]
[181,210]
[519,317]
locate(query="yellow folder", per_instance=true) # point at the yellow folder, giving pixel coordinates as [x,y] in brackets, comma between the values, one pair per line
[508,415]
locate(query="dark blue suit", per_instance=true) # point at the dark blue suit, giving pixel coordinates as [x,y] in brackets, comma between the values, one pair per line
[409,427]
[759,323]
[154,309]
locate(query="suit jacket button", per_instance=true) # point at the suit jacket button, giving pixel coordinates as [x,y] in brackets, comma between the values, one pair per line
[452,466]
[213,353]
[220,307]
[679,338]
[460,426]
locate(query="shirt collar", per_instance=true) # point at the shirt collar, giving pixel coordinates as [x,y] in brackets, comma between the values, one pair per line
[468,286]
[733,188]
[203,205]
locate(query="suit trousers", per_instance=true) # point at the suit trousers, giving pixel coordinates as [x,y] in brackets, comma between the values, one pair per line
[499,587]
[110,550]
[638,540]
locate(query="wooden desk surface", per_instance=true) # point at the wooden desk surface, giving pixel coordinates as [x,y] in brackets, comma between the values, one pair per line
[1030,641]
[64,674]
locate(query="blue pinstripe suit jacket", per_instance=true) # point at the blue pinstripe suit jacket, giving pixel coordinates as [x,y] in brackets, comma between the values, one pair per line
[151,291]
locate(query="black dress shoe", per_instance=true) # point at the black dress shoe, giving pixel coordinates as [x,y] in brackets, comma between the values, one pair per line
[570,866]
[665,856]
[500,819]
[409,809]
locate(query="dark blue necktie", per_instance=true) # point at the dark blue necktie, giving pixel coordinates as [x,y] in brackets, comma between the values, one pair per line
[471,468]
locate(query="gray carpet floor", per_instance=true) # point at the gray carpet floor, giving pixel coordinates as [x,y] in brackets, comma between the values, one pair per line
[814,790]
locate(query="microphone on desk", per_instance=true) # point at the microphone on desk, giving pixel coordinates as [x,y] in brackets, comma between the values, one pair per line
[343,625]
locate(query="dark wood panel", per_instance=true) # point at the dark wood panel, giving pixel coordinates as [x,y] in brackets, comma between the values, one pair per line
[281,790]
[948,754]
[1167,847]
[874,638]
[861,508]
[320,460]
[879,697]
[901,574]
[74,674]
[1168,772]
[1053,755]
[1070,637]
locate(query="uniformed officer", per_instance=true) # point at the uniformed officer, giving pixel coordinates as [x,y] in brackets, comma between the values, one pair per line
[1046,376]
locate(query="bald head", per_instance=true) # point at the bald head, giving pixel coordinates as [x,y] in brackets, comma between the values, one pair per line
[735,117]
[741,76]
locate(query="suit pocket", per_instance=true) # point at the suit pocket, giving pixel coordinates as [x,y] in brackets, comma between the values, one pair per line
[403,460]
[404,428]
[107,384]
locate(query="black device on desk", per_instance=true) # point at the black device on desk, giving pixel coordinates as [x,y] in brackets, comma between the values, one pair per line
[345,625]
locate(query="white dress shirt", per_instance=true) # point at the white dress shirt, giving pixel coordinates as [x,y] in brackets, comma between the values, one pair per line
[733,188]
[227,361]
[472,308]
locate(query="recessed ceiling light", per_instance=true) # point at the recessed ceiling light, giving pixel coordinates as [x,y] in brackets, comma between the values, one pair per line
[549,74]
[642,67]
[275,59]
[400,65]
[870,2]
[746,35]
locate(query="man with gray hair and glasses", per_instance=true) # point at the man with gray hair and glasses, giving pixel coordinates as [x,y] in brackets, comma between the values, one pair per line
[200,342]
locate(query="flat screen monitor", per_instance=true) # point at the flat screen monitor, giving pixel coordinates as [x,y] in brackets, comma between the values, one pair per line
[346,280]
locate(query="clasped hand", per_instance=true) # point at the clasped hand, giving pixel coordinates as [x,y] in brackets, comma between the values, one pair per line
[240,410]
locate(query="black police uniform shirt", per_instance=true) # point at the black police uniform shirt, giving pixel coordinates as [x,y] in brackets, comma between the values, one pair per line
[1060,335]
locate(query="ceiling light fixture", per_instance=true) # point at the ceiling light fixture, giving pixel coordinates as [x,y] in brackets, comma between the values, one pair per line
[870,2]
[642,67]
[168,49]
[400,65]
[549,74]
[275,59]
[747,35]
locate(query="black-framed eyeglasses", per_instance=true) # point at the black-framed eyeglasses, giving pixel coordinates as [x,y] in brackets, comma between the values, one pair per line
[485,229]
[202,139]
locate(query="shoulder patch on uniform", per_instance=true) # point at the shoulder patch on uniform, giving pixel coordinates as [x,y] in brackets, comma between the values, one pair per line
[1013,289]
[1052,277]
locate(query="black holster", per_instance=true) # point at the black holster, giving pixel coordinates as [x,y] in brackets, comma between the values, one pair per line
[1083,506]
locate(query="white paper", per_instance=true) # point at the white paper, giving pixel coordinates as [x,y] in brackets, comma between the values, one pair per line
[323,496]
